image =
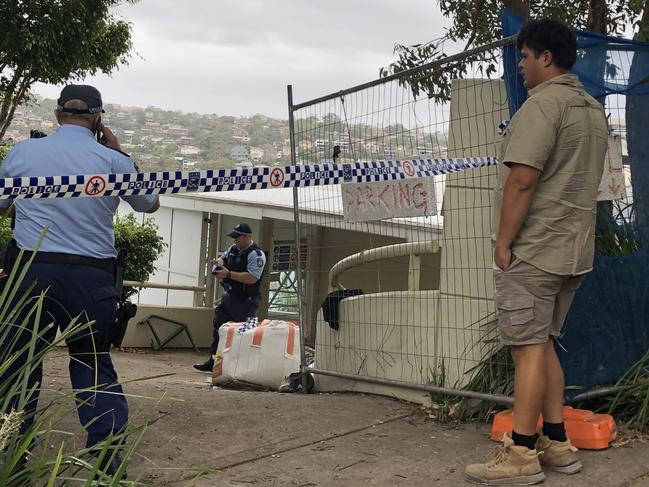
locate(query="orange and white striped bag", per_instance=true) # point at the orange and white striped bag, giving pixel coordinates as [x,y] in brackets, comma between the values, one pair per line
[263,356]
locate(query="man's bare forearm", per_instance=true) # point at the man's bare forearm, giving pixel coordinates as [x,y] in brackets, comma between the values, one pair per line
[518,193]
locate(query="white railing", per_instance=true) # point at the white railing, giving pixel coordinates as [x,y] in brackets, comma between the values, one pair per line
[411,249]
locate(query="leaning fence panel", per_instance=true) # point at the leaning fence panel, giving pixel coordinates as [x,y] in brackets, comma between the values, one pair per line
[412,258]
[418,250]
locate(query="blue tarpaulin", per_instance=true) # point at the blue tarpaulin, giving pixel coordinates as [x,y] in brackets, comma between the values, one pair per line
[608,324]
[603,64]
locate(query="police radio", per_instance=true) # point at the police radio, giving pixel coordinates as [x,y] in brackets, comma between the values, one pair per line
[125,309]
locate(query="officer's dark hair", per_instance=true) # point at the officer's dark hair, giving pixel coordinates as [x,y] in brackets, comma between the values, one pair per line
[549,35]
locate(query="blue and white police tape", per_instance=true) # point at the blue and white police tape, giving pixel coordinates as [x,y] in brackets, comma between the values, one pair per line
[237,179]
[251,322]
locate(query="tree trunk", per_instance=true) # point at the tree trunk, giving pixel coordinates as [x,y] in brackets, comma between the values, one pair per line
[17,92]
[597,22]
[643,28]
[597,16]
[637,110]
[516,6]
[18,98]
[7,98]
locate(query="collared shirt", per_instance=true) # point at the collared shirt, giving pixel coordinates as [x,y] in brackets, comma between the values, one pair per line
[561,131]
[256,261]
[82,226]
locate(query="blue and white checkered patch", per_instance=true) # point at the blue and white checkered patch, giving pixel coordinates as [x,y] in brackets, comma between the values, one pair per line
[251,322]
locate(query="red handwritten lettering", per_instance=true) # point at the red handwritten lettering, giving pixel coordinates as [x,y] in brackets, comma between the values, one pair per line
[419,196]
[404,195]
[369,194]
[381,197]
[349,197]
[360,202]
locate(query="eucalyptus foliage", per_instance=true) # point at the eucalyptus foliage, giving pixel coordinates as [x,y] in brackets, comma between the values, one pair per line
[476,23]
[142,244]
[55,42]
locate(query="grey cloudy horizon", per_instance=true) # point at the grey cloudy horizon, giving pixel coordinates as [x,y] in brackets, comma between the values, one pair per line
[236,58]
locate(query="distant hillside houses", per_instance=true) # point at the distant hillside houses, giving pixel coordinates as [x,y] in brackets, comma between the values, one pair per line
[256,154]
[239,153]
[177,130]
[190,150]
[160,139]
[321,143]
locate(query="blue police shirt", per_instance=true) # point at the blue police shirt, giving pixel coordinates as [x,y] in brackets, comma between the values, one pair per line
[256,262]
[82,226]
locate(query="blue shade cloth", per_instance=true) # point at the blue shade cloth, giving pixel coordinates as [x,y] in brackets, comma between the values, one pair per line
[516,92]
[608,323]
[607,328]
[603,64]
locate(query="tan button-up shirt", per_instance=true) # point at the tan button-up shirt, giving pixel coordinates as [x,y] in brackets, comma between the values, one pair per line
[562,131]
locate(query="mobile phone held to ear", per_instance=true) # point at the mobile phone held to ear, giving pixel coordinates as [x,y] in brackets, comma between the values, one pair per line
[99,134]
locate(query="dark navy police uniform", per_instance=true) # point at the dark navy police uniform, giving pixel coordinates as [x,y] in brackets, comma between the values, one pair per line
[75,268]
[240,301]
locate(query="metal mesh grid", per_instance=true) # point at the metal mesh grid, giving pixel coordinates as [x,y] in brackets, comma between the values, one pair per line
[427,315]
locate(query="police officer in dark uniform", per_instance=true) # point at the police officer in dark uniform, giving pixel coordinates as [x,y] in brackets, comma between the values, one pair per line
[75,265]
[240,270]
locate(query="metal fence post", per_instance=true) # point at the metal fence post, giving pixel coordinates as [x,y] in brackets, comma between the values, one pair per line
[298,244]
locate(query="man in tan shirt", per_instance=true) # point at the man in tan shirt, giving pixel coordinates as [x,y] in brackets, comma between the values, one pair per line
[552,158]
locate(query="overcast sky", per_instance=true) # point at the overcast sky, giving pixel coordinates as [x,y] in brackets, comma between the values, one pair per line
[236,57]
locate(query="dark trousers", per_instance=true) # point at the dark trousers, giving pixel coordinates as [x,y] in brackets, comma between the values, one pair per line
[71,291]
[231,308]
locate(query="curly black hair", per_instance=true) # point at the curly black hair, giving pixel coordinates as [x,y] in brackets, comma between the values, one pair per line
[549,35]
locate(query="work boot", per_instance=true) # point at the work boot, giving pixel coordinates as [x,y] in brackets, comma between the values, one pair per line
[206,366]
[560,456]
[509,465]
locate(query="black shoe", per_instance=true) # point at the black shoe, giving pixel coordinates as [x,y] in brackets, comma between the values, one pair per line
[206,366]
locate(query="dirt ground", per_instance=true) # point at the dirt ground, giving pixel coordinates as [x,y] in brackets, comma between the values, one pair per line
[271,439]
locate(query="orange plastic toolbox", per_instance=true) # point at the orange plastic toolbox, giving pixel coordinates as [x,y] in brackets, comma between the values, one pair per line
[586,430]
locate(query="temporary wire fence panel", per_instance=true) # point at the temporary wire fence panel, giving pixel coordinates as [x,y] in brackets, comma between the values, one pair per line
[426,315]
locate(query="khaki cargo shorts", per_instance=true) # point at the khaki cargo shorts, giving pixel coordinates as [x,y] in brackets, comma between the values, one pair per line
[532,304]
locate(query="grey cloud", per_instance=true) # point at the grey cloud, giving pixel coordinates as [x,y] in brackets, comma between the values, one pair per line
[334,23]
[236,57]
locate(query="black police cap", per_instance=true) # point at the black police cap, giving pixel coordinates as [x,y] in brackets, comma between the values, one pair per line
[86,93]
[240,229]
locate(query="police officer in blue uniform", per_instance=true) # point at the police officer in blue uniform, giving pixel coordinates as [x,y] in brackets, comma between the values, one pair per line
[240,270]
[75,263]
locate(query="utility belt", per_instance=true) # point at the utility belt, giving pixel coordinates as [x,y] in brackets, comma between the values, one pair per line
[115,266]
[13,251]
[239,296]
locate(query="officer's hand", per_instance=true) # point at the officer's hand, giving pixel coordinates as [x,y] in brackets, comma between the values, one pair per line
[222,273]
[214,263]
[110,138]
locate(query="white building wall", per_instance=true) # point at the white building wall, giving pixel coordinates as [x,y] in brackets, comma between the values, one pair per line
[181,262]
